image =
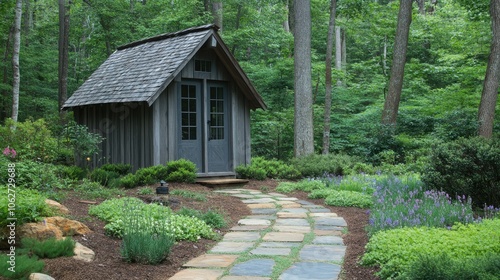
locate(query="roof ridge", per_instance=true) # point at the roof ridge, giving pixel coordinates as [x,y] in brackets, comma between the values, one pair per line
[169,35]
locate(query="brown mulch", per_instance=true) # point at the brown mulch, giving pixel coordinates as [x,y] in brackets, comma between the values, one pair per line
[109,265]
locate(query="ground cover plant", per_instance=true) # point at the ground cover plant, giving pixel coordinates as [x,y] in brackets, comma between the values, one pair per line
[262,168]
[25,265]
[189,194]
[396,250]
[116,212]
[30,206]
[49,248]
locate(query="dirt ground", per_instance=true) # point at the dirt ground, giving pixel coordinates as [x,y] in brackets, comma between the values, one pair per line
[109,265]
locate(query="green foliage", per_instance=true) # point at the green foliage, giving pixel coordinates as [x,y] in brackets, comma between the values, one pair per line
[32,140]
[116,212]
[72,172]
[30,206]
[151,175]
[349,199]
[35,175]
[93,190]
[396,250]
[320,165]
[468,167]
[84,143]
[189,194]
[211,218]
[181,170]
[260,169]
[129,181]
[303,185]
[146,191]
[102,176]
[120,168]
[50,248]
[25,265]
[444,268]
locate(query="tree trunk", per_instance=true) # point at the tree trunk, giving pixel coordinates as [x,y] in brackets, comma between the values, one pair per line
[338,52]
[384,57]
[64,8]
[286,23]
[15,60]
[421,6]
[5,92]
[217,12]
[344,50]
[489,96]
[303,130]
[291,16]
[328,78]
[391,105]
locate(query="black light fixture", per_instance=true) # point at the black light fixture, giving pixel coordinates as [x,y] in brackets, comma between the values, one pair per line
[162,189]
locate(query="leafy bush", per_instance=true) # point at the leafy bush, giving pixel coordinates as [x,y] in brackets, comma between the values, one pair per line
[349,199]
[50,248]
[146,191]
[120,168]
[306,185]
[30,206]
[321,193]
[84,144]
[35,175]
[129,181]
[116,212]
[32,140]
[72,172]
[25,265]
[468,167]
[181,170]
[356,183]
[403,201]
[103,177]
[93,190]
[261,169]
[443,267]
[319,165]
[151,175]
[396,250]
[189,194]
[211,218]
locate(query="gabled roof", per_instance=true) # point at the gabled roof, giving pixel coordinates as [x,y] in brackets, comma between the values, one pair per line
[140,71]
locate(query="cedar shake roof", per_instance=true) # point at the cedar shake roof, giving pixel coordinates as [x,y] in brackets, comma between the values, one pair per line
[140,71]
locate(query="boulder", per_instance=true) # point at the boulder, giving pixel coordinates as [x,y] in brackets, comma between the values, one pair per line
[67,226]
[57,206]
[40,276]
[83,253]
[40,231]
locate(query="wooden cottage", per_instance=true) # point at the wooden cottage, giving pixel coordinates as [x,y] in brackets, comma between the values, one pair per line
[176,95]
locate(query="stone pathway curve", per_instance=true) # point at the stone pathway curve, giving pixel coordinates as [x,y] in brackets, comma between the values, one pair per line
[285,238]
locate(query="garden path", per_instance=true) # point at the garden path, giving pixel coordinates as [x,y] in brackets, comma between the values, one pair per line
[285,238]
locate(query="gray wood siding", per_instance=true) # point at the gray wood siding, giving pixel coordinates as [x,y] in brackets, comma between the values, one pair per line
[219,72]
[127,130]
[241,128]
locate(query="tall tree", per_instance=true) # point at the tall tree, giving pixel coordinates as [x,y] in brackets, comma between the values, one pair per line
[489,95]
[217,12]
[15,59]
[391,105]
[64,8]
[328,77]
[303,127]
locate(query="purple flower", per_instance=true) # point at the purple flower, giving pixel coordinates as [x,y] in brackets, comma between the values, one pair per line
[8,152]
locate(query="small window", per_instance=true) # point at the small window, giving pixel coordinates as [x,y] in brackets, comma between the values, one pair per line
[203,66]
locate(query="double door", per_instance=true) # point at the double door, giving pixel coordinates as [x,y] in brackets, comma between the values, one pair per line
[204,125]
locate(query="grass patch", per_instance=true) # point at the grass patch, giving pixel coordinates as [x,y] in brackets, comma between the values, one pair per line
[50,248]
[24,266]
[189,194]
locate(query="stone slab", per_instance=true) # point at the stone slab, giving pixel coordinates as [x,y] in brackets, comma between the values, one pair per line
[295,210]
[331,240]
[280,244]
[287,215]
[311,270]
[287,198]
[330,221]
[262,217]
[255,267]
[284,202]
[231,277]
[211,260]
[319,232]
[234,191]
[265,211]
[259,200]
[305,202]
[312,206]
[241,236]
[261,205]
[276,194]
[267,251]
[292,222]
[298,229]
[319,210]
[284,237]
[323,215]
[322,253]
[291,205]
[248,228]
[232,247]
[254,222]
[239,195]
[197,274]
[325,227]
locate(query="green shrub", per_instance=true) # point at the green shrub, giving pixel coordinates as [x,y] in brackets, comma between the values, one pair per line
[189,194]
[93,190]
[286,187]
[84,144]
[146,191]
[72,172]
[103,177]
[32,140]
[211,218]
[35,175]
[181,170]
[140,247]
[30,206]
[321,193]
[444,268]
[251,172]
[349,199]
[50,248]
[468,167]
[395,250]
[129,181]
[319,165]
[261,168]
[25,265]
[151,175]
[356,183]
[120,168]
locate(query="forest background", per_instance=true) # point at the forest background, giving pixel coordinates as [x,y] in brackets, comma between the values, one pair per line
[447,55]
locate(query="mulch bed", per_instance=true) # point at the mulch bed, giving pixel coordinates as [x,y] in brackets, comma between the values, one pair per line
[109,265]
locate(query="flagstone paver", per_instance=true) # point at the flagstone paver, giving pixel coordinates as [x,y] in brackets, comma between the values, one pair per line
[286,221]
